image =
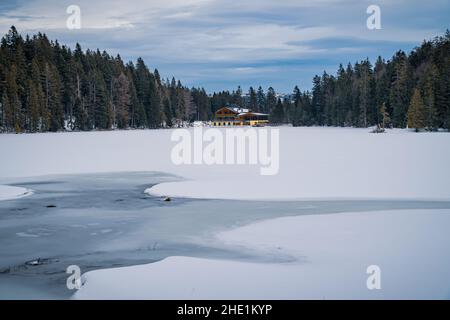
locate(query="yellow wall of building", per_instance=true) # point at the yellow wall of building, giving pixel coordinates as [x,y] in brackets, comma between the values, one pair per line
[219,123]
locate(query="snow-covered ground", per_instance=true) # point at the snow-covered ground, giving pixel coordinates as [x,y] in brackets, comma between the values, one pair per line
[330,255]
[10,192]
[330,252]
[314,163]
[333,163]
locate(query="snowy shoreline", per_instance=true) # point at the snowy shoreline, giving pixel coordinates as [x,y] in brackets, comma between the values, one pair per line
[10,192]
[205,190]
[325,163]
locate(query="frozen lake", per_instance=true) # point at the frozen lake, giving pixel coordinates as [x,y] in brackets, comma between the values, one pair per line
[105,220]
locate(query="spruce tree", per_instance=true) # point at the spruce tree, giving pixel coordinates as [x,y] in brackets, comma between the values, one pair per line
[154,111]
[428,88]
[277,115]
[385,119]
[416,112]
[261,100]
[317,113]
[271,100]
[12,102]
[167,113]
[400,89]
[253,100]
[122,101]
[297,114]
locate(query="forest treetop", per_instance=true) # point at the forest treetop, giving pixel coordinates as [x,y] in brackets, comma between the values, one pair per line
[45,86]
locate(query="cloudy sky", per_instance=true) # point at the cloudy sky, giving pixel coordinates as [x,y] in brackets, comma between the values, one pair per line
[220,44]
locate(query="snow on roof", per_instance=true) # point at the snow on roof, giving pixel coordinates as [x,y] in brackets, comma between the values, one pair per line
[243,111]
[253,113]
[238,110]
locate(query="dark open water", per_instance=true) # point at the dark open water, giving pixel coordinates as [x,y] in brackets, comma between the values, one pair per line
[105,220]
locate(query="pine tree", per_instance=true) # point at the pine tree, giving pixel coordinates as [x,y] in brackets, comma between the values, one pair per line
[440,57]
[381,94]
[386,120]
[180,111]
[253,100]
[101,115]
[400,90]
[154,111]
[167,113]
[237,97]
[443,94]
[329,103]
[5,107]
[33,107]
[428,85]
[342,95]
[138,117]
[416,112]
[122,101]
[271,100]
[11,102]
[261,100]
[297,115]
[277,115]
[144,90]
[317,101]
[365,94]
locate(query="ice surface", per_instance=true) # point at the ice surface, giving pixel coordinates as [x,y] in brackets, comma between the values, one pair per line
[10,192]
[314,163]
[331,255]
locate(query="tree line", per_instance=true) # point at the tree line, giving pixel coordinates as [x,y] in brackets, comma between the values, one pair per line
[406,91]
[45,86]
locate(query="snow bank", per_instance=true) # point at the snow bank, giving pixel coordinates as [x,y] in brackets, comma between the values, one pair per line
[332,163]
[314,163]
[331,254]
[9,192]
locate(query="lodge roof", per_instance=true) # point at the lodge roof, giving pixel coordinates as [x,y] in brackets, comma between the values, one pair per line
[238,110]
[252,113]
[242,111]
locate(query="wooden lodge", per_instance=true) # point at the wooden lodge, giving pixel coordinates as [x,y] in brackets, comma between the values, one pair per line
[227,116]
